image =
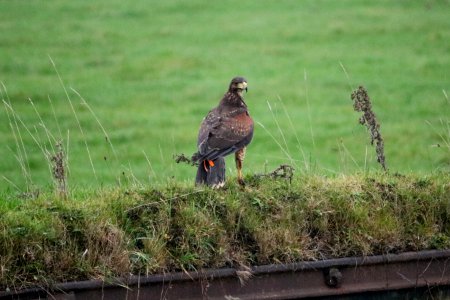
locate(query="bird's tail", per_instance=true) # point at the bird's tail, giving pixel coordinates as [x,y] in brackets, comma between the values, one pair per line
[211,173]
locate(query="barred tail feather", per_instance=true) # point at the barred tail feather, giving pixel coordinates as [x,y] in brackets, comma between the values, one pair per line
[201,176]
[211,176]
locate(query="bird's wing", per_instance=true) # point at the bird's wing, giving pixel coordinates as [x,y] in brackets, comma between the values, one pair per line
[211,121]
[222,134]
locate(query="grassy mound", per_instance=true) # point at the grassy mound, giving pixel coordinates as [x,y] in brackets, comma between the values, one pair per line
[118,232]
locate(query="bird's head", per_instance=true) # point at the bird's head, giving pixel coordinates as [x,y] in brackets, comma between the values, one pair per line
[238,85]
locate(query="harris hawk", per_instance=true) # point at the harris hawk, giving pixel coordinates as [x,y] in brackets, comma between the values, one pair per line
[226,129]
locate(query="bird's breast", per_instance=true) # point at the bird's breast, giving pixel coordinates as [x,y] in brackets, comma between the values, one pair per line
[241,124]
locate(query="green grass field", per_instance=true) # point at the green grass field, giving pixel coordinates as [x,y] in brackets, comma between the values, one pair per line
[151,70]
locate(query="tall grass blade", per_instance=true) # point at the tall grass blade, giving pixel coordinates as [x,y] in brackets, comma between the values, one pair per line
[161,154]
[309,110]
[76,117]
[445,140]
[300,146]
[16,118]
[51,139]
[280,131]
[149,164]
[12,183]
[365,161]
[67,151]
[346,75]
[131,177]
[107,138]
[19,156]
[55,117]
[348,153]
[22,155]
[278,126]
[276,141]
[23,168]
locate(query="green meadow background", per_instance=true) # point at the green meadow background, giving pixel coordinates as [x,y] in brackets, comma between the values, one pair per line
[151,70]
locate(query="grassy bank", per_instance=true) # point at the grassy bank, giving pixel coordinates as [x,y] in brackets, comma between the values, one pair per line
[118,232]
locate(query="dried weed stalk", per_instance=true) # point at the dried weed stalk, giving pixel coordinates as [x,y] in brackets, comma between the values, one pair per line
[181,158]
[283,171]
[361,103]
[58,170]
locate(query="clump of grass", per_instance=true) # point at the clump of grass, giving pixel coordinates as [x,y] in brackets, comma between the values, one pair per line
[176,227]
[362,103]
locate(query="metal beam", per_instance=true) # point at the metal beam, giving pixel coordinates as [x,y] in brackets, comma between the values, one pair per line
[334,277]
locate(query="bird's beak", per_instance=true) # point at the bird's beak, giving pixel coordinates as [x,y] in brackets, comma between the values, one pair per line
[246,89]
[243,86]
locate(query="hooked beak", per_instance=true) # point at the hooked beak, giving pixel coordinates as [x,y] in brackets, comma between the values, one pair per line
[241,86]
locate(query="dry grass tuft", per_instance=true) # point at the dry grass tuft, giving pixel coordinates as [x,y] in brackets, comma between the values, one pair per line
[58,170]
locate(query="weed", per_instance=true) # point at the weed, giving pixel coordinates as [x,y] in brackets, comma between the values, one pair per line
[283,171]
[58,170]
[362,103]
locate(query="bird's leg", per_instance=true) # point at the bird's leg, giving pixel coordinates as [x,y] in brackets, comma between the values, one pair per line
[239,158]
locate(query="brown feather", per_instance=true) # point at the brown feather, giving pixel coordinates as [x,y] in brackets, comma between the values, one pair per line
[227,128]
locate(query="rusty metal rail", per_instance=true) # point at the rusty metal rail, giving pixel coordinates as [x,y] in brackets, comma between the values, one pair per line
[334,277]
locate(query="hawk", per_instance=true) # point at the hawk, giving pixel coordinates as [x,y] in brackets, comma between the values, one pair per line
[226,129]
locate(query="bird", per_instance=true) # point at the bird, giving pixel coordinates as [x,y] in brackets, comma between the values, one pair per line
[226,129]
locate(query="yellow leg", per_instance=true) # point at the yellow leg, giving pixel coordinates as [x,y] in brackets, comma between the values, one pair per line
[239,158]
